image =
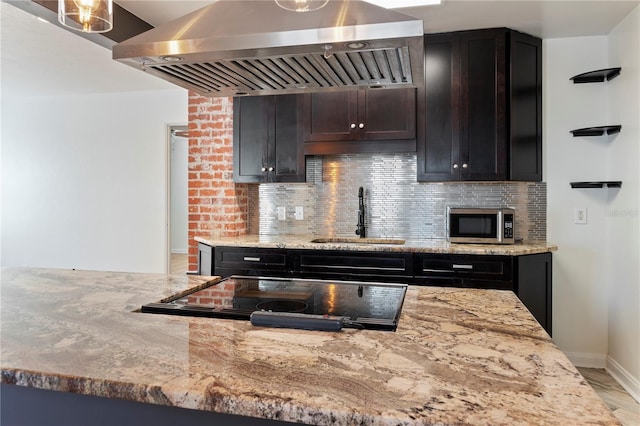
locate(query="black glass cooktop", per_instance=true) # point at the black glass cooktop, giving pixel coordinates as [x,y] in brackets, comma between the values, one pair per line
[356,304]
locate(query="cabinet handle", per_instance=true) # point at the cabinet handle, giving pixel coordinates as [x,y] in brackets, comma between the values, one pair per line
[251,259]
[361,125]
[455,165]
[465,165]
[270,169]
[353,125]
[458,266]
[264,169]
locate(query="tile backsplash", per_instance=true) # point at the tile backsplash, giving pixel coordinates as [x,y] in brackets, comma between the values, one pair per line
[396,204]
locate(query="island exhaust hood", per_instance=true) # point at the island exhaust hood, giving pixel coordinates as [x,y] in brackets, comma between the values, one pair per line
[236,48]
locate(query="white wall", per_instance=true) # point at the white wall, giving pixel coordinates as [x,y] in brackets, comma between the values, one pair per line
[179,194]
[84,180]
[579,275]
[623,216]
[596,280]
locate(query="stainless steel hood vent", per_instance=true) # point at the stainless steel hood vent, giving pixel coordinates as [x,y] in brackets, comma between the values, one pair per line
[234,48]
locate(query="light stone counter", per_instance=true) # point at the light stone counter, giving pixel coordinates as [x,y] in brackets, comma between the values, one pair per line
[417,246]
[459,356]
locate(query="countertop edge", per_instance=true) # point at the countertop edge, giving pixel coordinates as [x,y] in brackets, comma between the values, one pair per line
[411,246]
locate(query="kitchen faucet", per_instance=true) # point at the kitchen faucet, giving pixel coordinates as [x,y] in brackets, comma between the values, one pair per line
[361,231]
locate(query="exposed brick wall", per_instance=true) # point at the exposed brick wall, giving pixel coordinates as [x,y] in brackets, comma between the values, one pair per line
[216,203]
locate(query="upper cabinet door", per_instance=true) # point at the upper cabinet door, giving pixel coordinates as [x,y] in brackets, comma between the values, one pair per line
[331,116]
[364,120]
[483,151]
[286,152]
[267,139]
[438,144]
[525,99]
[252,134]
[387,114]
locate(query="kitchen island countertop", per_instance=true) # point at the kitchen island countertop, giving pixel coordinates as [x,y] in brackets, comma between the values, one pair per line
[305,242]
[459,356]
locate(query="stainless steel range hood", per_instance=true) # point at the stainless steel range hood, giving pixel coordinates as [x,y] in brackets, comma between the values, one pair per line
[233,48]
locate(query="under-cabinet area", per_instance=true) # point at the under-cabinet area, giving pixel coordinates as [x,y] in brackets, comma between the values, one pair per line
[526,272]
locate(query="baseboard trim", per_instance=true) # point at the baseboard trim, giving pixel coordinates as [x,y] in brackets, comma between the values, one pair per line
[624,378]
[587,360]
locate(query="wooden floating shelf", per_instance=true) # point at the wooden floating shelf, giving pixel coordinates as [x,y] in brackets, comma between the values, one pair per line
[597,131]
[597,184]
[597,76]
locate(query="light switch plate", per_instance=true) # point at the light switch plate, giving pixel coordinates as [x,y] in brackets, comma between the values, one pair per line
[580,215]
[299,214]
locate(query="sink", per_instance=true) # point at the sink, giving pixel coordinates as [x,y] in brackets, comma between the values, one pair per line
[355,240]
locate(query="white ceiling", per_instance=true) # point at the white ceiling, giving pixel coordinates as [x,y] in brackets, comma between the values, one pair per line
[43,59]
[542,18]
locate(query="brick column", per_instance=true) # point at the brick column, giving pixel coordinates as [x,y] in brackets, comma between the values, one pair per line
[216,204]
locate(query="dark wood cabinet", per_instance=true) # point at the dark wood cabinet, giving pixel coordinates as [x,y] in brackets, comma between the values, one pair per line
[252,261]
[480,112]
[353,265]
[267,135]
[533,286]
[374,120]
[472,271]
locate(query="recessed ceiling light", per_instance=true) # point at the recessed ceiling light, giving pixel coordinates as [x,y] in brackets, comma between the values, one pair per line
[395,4]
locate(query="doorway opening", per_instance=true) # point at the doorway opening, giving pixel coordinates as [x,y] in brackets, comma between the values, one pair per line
[177,196]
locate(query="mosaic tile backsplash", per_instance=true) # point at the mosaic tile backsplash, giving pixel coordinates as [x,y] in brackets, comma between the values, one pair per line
[397,206]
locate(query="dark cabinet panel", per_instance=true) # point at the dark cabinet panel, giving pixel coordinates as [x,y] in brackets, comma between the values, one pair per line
[354,265]
[525,100]
[267,135]
[387,114]
[482,138]
[252,133]
[354,121]
[329,116]
[479,115]
[286,150]
[472,271]
[534,286]
[439,109]
[251,261]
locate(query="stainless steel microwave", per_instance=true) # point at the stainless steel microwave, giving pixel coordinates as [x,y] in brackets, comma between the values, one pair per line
[481,226]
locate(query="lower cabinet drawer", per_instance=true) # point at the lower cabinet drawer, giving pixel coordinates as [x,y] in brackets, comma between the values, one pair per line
[250,261]
[464,270]
[354,265]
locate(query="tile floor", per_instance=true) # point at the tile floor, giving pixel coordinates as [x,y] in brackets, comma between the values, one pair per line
[625,408]
[179,263]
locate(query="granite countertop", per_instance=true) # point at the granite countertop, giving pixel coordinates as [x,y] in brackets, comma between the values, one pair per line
[375,244]
[459,356]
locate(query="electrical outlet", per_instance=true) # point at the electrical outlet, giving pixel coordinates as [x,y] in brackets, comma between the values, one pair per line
[580,215]
[282,213]
[299,214]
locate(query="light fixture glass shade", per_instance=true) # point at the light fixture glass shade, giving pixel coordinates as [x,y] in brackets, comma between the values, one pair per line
[302,5]
[89,16]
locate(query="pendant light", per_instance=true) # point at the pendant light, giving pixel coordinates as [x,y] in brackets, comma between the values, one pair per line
[302,5]
[89,16]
